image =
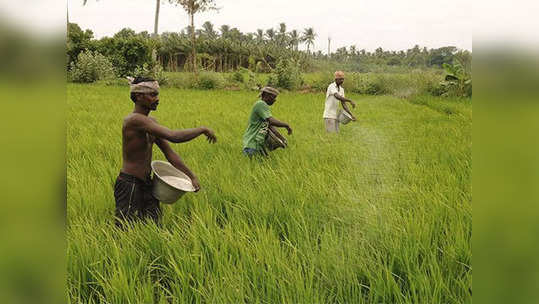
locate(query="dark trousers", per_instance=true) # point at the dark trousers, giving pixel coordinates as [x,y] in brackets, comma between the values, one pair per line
[134,199]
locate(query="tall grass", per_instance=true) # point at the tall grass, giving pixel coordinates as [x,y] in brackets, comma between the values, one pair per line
[380,213]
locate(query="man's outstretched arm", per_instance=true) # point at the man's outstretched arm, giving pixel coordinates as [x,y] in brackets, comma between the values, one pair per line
[176,136]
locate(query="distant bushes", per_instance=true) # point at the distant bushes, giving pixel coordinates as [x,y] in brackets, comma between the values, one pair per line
[206,81]
[182,80]
[404,85]
[91,66]
[318,81]
[213,80]
[401,85]
[287,75]
[457,81]
[210,80]
[152,70]
[238,77]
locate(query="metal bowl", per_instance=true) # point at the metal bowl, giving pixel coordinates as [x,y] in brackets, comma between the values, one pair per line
[344,117]
[169,183]
[273,142]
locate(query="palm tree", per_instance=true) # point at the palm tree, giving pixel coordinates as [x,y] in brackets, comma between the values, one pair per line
[353,50]
[259,36]
[282,28]
[192,7]
[308,37]
[225,29]
[281,35]
[207,29]
[270,33]
[294,39]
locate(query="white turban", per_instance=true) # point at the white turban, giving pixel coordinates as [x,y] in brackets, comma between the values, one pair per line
[270,90]
[143,87]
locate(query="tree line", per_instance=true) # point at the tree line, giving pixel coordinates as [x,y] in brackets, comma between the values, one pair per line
[226,48]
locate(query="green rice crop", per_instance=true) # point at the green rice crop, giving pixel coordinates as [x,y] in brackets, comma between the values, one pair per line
[380,213]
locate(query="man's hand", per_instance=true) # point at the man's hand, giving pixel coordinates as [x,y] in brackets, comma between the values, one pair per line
[353,118]
[210,136]
[353,104]
[196,183]
[289,130]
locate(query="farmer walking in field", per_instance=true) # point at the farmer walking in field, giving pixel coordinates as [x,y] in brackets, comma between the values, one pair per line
[334,94]
[260,121]
[133,187]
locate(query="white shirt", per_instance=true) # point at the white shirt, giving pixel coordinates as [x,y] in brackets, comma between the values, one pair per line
[332,103]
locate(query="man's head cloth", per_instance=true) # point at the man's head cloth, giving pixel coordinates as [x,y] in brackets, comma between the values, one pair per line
[269,90]
[143,87]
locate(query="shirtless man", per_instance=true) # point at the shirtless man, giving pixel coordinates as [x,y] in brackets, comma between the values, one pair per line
[133,188]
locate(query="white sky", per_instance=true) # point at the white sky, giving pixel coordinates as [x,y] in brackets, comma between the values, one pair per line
[391,24]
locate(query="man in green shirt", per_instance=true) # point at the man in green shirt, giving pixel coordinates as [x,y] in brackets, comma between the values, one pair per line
[260,121]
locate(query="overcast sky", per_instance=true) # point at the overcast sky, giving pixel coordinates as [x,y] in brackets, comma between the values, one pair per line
[391,24]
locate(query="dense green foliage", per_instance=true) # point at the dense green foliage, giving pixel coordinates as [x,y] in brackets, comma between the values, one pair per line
[126,50]
[228,49]
[287,75]
[276,53]
[380,213]
[414,83]
[91,66]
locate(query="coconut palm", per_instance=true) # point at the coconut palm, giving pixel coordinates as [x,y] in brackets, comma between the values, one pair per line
[259,36]
[208,31]
[308,37]
[353,50]
[294,39]
[270,33]
[193,7]
[224,30]
[281,35]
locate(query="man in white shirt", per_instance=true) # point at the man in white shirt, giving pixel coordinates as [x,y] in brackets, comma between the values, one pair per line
[334,94]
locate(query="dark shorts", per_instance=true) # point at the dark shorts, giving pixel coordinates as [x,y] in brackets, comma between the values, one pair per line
[134,199]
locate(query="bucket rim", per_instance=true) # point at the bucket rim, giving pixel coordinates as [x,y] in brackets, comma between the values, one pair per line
[161,179]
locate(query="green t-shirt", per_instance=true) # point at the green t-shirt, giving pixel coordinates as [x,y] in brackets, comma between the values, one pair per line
[258,126]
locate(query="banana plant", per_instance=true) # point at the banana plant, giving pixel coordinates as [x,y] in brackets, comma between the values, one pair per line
[457,79]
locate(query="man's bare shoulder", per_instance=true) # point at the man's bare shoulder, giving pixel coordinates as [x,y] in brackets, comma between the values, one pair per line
[136,119]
